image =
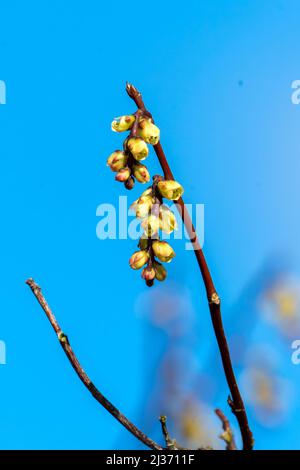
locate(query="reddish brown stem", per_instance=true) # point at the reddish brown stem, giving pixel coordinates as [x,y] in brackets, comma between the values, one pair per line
[235,401]
[64,342]
[227,434]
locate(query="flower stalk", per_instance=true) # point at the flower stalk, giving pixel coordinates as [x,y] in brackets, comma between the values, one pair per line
[235,400]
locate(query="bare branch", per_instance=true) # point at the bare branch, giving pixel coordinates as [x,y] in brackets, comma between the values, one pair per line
[64,342]
[214,302]
[227,434]
[170,443]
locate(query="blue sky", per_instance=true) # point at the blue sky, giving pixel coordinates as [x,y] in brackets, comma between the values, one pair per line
[217,77]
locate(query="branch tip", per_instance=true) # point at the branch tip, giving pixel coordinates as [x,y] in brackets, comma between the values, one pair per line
[163,419]
[170,443]
[132,90]
[32,284]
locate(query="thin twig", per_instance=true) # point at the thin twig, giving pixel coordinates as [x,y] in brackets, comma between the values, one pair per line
[64,342]
[170,443]
[214,302]
[227,434]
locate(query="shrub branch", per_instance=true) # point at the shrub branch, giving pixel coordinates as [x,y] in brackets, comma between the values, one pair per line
[64,342]
[214,301]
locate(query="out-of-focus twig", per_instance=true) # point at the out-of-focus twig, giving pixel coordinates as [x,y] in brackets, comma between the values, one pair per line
[170,443]
[227,434]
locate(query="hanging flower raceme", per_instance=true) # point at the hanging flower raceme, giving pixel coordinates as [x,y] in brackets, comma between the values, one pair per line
[142,131]
[155,216]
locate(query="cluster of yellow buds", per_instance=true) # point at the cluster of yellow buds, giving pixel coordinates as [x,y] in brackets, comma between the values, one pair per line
[126,162]
[155,216]
[149,207]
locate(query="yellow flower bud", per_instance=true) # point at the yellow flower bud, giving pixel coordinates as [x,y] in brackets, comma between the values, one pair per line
[150,225]
[123,123]
[163,251]
[117,160]
[123,175]
[170,189]
[137,147]
[147,192]
[148,131]
[138,259]
[148,273]
[160,271]
[141,173]
[142,206]
[167,220]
